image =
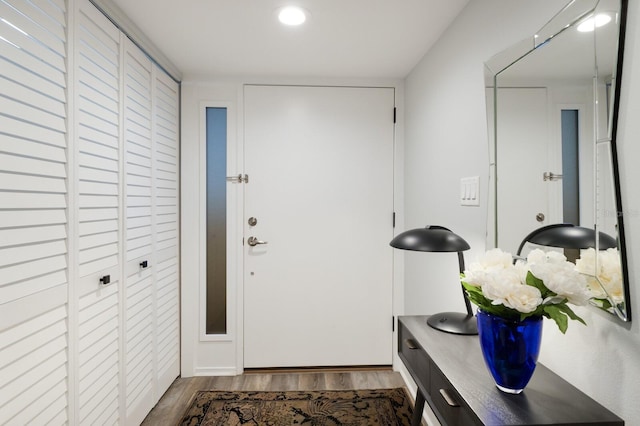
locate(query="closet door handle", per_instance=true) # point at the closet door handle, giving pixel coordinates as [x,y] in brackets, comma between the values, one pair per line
[105,279]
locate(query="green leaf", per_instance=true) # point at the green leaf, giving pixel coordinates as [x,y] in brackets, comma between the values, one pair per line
[604,304]
[556,314]
[567,310]
[536,282]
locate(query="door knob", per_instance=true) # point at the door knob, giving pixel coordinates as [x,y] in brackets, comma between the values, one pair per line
[253,241]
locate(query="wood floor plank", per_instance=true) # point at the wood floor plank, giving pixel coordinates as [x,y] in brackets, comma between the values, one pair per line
[175,401]
[339,381]
[312,381]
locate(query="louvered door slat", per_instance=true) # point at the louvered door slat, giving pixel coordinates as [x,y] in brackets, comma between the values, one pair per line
[18,147]
[17,91]
[32,351]
[29,114]
[33,286]
[26,34]
[19,164]
[98,369]
[30,63]
[49,15]
[38,83]
[31,132]
[22,273]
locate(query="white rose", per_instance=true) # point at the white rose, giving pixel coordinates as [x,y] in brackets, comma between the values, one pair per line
[507,289]
[494,259]
[524,298]
[564,280]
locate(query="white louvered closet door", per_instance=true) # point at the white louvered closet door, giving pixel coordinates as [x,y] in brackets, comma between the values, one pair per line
[97,178]
[139,264]
[33,219]
[85,198]
[166,173]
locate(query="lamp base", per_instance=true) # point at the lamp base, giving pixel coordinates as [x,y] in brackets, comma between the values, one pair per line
[454,322]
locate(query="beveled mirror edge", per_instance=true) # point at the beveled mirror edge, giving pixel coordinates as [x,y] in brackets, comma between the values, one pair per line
[577,9]
[622,246]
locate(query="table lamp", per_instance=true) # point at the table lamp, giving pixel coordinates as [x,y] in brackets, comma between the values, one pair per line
[441,239]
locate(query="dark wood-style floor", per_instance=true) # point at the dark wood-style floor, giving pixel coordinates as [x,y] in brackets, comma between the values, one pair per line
[172,405]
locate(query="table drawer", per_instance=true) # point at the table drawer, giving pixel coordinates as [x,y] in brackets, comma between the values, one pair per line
[448,403]
[415,357]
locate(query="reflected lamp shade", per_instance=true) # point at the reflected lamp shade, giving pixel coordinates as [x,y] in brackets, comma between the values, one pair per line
[568,236]
[441,239]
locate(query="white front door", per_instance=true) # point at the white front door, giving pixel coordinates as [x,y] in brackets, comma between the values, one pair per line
[320,195]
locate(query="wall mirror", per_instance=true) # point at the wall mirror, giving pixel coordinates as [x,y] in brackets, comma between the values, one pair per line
[552,106]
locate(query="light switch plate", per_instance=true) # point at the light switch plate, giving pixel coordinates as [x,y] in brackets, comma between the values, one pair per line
[470,191]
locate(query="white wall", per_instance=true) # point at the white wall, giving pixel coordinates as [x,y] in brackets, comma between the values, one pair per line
[446,139]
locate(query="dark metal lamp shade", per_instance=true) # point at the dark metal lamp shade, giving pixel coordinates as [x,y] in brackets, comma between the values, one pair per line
[431,238]
[441,239]
[568,236]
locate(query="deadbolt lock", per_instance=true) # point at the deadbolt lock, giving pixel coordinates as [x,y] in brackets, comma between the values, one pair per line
[252,221]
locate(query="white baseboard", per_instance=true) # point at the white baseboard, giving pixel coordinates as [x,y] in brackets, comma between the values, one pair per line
[216,371]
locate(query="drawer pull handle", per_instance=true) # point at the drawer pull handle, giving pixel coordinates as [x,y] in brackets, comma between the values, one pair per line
[410,344]
[451,401]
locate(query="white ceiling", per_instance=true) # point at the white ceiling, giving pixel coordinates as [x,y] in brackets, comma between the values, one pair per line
[342,38]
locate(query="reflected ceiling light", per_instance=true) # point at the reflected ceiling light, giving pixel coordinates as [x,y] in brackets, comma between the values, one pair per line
[292,15]
[594,22]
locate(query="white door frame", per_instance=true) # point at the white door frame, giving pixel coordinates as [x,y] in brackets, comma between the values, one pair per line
[224,356]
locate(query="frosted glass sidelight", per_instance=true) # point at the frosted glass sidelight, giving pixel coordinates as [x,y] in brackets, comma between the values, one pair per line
[216,319]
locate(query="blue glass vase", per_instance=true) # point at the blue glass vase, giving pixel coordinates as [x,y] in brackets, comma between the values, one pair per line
[510,349]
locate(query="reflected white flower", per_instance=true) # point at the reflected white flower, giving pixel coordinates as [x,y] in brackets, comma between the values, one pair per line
[604,273]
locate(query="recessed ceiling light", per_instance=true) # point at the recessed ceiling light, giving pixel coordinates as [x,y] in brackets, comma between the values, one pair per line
[292,15]
[594,22]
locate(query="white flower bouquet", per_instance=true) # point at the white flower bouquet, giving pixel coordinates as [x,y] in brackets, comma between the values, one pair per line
[543,286]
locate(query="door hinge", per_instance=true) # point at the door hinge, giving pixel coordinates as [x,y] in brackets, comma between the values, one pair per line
[238,179]
[393,220]
[394,114]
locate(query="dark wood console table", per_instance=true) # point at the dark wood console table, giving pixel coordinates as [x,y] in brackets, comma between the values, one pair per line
[453,380]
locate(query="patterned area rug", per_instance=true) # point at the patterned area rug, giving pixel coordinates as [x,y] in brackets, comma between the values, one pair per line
[383,407]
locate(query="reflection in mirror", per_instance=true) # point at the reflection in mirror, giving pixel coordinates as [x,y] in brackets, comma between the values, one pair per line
[552,103]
